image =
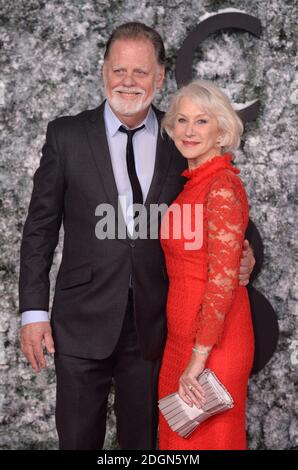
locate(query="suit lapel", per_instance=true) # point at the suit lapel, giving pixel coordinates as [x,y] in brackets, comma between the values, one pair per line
[164,153]
[97,138]
[100,152]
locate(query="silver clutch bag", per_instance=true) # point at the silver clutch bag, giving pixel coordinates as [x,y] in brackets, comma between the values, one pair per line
[183,418]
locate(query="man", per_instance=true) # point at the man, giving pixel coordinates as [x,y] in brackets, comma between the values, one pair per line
[108,318]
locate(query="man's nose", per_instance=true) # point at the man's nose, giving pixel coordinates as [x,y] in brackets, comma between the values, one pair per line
[128,79]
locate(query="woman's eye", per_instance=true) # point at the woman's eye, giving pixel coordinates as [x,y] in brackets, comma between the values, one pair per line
[202,121]
[181,120]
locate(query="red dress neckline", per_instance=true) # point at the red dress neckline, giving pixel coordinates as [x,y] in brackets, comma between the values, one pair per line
[216,163]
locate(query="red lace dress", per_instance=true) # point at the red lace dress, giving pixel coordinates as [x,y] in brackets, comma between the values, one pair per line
[205,301]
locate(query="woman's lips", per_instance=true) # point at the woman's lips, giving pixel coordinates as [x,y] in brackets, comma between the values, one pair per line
[188,143]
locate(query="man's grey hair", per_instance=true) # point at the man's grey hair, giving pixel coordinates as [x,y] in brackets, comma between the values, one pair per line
[136,30]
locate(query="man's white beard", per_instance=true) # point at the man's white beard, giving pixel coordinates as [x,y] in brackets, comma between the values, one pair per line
[127,108]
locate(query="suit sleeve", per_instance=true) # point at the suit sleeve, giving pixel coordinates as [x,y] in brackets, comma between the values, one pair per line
[41,229]
[255,242]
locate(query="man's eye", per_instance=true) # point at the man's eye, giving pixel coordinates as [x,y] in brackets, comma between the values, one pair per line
[141,72]
[119,71]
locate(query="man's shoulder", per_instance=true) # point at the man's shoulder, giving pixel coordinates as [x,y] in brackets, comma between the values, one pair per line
[72,121]
[160,114]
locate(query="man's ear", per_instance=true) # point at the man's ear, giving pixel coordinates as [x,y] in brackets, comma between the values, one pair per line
[160,76]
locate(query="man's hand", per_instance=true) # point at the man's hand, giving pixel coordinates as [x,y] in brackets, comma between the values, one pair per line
[247,264]
[32,337]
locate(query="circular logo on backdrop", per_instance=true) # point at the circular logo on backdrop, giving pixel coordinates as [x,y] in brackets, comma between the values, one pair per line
[217,22]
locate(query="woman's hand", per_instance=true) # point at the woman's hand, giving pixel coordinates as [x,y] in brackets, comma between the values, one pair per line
[189,389]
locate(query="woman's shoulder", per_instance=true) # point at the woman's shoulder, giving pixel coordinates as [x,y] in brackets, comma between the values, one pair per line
[227,178]
[225,186]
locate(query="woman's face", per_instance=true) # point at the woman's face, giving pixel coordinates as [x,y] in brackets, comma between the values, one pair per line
[195,133]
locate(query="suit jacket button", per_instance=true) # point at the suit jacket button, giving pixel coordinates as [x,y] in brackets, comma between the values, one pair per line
[132,244]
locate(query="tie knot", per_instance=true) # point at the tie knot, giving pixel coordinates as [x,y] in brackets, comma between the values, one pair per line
[130,132]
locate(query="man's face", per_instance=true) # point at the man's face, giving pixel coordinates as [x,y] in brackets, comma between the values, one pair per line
[131,76]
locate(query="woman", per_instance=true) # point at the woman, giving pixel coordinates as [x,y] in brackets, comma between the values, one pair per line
[208,313]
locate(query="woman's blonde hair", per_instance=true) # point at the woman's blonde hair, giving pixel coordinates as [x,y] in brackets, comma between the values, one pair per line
[215,103]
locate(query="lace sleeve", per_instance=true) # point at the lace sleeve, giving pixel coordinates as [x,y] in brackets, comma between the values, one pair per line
[225,234]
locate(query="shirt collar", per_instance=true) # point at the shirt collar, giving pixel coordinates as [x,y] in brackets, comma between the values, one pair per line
[113,123]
